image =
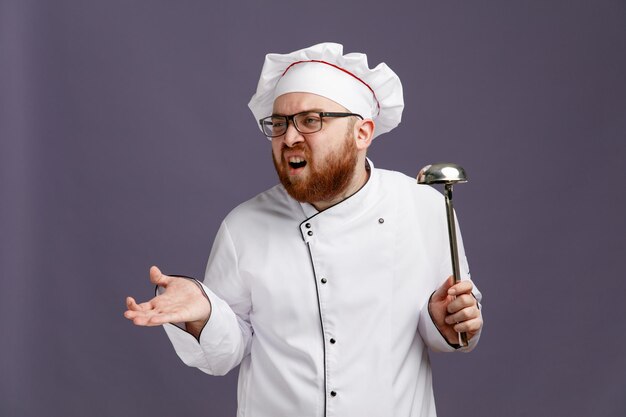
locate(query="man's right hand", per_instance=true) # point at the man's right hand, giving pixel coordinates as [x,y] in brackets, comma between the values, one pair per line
[182,301]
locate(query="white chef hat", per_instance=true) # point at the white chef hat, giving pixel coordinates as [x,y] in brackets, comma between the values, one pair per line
[346,79]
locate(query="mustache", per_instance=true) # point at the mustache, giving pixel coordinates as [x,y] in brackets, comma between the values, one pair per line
[298,147]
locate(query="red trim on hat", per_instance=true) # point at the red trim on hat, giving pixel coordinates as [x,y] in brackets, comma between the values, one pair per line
[341,69]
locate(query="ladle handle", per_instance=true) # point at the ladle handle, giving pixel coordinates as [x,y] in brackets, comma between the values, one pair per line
[454,251]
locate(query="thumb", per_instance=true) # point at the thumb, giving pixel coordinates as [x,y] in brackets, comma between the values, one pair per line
[442,291]
[158,278]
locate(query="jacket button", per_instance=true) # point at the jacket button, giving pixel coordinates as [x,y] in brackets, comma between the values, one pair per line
[332,341]
[381,220]
[324,280]
[333,394]
[308,225]
[310,233]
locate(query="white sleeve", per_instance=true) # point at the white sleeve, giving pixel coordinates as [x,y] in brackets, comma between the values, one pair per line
[225,340]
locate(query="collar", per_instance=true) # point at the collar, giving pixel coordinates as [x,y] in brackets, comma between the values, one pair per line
[341,214]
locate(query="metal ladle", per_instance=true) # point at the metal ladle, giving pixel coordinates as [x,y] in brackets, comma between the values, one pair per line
[447,174]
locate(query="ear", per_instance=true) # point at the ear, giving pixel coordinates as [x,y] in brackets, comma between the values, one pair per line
[364,133]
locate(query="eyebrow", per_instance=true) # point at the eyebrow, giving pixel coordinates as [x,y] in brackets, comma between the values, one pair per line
[315,110]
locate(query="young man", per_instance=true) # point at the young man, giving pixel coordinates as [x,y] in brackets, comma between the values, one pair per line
[328,288]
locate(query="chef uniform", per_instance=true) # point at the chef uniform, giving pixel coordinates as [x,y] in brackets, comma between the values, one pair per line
[327,312]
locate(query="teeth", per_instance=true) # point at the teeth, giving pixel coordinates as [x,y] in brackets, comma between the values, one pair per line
[295,160]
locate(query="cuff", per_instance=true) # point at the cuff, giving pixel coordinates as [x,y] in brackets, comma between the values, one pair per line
[431,334]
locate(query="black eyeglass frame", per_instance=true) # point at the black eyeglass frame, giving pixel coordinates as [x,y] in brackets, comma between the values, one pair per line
[289,118]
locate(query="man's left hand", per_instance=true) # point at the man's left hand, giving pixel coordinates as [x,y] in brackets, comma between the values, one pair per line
[454,309]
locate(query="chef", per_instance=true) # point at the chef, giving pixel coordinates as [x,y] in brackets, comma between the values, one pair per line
[329,288]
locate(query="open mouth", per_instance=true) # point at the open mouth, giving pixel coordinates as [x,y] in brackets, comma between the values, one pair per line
[297,162]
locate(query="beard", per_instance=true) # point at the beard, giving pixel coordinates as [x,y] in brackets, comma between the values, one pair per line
[325,179]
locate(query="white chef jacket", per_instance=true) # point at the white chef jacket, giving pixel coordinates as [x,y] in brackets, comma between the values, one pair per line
[327,312]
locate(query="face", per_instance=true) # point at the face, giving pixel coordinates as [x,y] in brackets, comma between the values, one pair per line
[320,166]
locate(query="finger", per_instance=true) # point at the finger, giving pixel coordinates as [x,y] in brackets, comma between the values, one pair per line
[161,319]
[148,305]
[133,314]
[158,278]
[143,321]
[469,326]
[469,313]
[132,305]
[442,292]
[462,287]
[461,302]
[142,318]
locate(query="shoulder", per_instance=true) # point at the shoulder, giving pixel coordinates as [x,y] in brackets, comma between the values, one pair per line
[263,210]
[407,187]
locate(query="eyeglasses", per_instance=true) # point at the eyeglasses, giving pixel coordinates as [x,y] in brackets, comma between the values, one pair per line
[304,122]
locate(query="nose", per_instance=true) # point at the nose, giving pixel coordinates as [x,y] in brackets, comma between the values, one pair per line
[292,136]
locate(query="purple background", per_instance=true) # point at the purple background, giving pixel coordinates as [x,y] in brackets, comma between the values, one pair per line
[125,138]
